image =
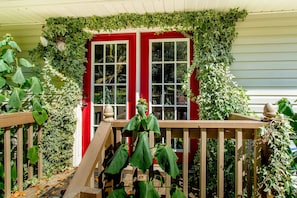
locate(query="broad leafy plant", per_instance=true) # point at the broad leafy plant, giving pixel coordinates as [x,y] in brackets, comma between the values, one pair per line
[142,158]
[18,93]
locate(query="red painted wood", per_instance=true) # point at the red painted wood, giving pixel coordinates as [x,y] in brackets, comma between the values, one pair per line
[131,102]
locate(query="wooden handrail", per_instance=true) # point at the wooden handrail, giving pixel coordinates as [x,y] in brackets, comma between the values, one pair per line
[6,122]
[186,129]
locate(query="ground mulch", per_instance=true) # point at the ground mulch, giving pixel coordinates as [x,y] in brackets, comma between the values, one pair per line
[53,187]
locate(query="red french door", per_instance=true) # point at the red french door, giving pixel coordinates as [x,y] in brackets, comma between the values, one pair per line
[109,79]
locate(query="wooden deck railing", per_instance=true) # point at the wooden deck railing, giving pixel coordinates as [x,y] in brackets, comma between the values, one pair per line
[7,121]
[110,133]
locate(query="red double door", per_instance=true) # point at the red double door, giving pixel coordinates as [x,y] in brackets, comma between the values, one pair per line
[124,67]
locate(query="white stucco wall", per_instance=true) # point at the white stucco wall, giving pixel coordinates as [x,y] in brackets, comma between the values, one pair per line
[265,53]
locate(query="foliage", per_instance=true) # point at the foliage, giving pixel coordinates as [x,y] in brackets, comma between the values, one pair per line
[141,157]
[18,93]
[57,139]
[275,172]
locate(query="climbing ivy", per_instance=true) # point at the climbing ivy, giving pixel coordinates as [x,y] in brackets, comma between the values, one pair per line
[211,31]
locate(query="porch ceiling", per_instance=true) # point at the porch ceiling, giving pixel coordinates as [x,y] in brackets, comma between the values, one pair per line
[18,12]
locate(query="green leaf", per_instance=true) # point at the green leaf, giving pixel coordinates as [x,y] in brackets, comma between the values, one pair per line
[14,100]
[36,105]
[40,116]
[118,193]
[8,56]
[25,62]
[177,193]
[2,98]
[132,125]
[167,159]
[118,161]
[147,190]
[3,66]
[142,157]
[285,107]
[14,45]
[293,122]
[13,172]
[153,124]
[36,86]
[18,77]
[141,109]
[33,155]
[1,170]
[2,82]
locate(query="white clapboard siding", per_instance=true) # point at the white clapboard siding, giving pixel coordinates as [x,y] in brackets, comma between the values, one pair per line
[27,36]
[265,53]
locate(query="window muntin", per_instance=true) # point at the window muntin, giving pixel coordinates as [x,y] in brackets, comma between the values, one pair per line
[109,78]
[169,60]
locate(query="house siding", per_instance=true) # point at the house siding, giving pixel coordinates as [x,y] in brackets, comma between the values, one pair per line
[265,53]
[27,36]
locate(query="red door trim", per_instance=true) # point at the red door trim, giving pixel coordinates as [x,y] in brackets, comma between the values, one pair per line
[131,103]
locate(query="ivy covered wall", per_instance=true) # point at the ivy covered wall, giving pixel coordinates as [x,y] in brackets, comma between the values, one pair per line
[64,40]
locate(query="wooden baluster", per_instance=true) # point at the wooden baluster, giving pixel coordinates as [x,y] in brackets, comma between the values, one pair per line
[30,145]
[20,157]
[220,163]
[257,160]
[39,136]
[203,137]
[7,166]
[186,161]
[168,178]
[238,162]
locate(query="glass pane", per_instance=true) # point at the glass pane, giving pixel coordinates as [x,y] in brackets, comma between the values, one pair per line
[169,113]
[109,94]
[98,74]
[121,53]
[109,74]
[157,73]
[156,51]
[157,111]
[110,53]
[182,52]
[99,54]
[98,95]
[181,71]
[98,113]
[181,113]
[181,99]
[157,94]
[169,51]
[169,94]
[121,113]
[121,73]
[121,95]
[168,73]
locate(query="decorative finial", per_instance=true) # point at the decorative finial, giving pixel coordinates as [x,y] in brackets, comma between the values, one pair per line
[108,113]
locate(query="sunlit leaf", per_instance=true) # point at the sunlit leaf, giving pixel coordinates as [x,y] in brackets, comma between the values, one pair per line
[118,161]
[25,62]
[3,66]
[8,56]
[177,193]
[167,159]
[285,107]
[14,100]
[142,157]
[2,98]
[293,122]
[36,105]
[18,77]
[40,116]
[33,154]
[2,82]
[14,45]
[118,193]
[146,190]
[153,124]
[36,86]
[132,125]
